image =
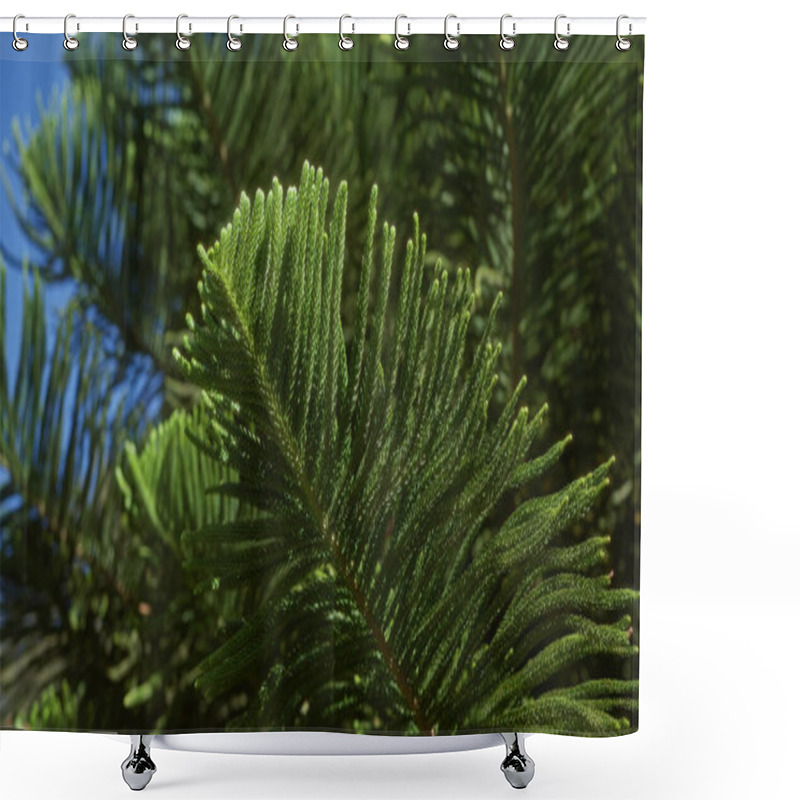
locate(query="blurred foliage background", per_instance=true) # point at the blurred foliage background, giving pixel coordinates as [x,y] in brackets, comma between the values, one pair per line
[524,166]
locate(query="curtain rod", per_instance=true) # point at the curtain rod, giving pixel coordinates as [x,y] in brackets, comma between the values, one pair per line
[406,26]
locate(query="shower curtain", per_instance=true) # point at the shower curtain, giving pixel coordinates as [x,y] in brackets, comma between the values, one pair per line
[320,385]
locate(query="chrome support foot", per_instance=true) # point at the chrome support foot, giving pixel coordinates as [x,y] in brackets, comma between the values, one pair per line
[138,768]
[517,766]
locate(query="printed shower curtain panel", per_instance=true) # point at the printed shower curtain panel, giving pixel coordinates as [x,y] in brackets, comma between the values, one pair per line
[319,388]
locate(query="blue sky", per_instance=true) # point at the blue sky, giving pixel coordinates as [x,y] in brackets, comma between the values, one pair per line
[23,76]
[27,78]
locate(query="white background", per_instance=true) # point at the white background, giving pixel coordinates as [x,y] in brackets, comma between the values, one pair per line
[720,608]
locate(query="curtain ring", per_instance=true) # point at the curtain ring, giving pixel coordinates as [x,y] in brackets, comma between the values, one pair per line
[623,44]
[561,43]
[233,44]
[345,42]
[128,42]
[451,42]
[507,42]
[182,43]
[401,42]
[290,43]
[18,43]
[70,43]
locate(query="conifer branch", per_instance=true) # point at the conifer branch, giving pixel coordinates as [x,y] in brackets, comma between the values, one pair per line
[386,469]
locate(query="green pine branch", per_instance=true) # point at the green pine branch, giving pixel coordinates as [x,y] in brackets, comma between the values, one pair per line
[372,473]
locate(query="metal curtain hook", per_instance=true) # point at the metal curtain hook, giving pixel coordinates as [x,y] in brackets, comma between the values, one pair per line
[18,43]
[401,42]
[69,42]
[290,43]
[128,42]
[507,42]
[182,43]
[233,44]
[561,43]
[345,42]
[623,44]
[451,42]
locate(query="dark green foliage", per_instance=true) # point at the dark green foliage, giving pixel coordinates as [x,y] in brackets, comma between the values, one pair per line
[60,431]
[166,491]
[101,624]
[372,475]
[142,158]
[533,174]
[138,160]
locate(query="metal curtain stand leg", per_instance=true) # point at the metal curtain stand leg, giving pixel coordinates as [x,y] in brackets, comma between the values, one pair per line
[138,768]
[517,766]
